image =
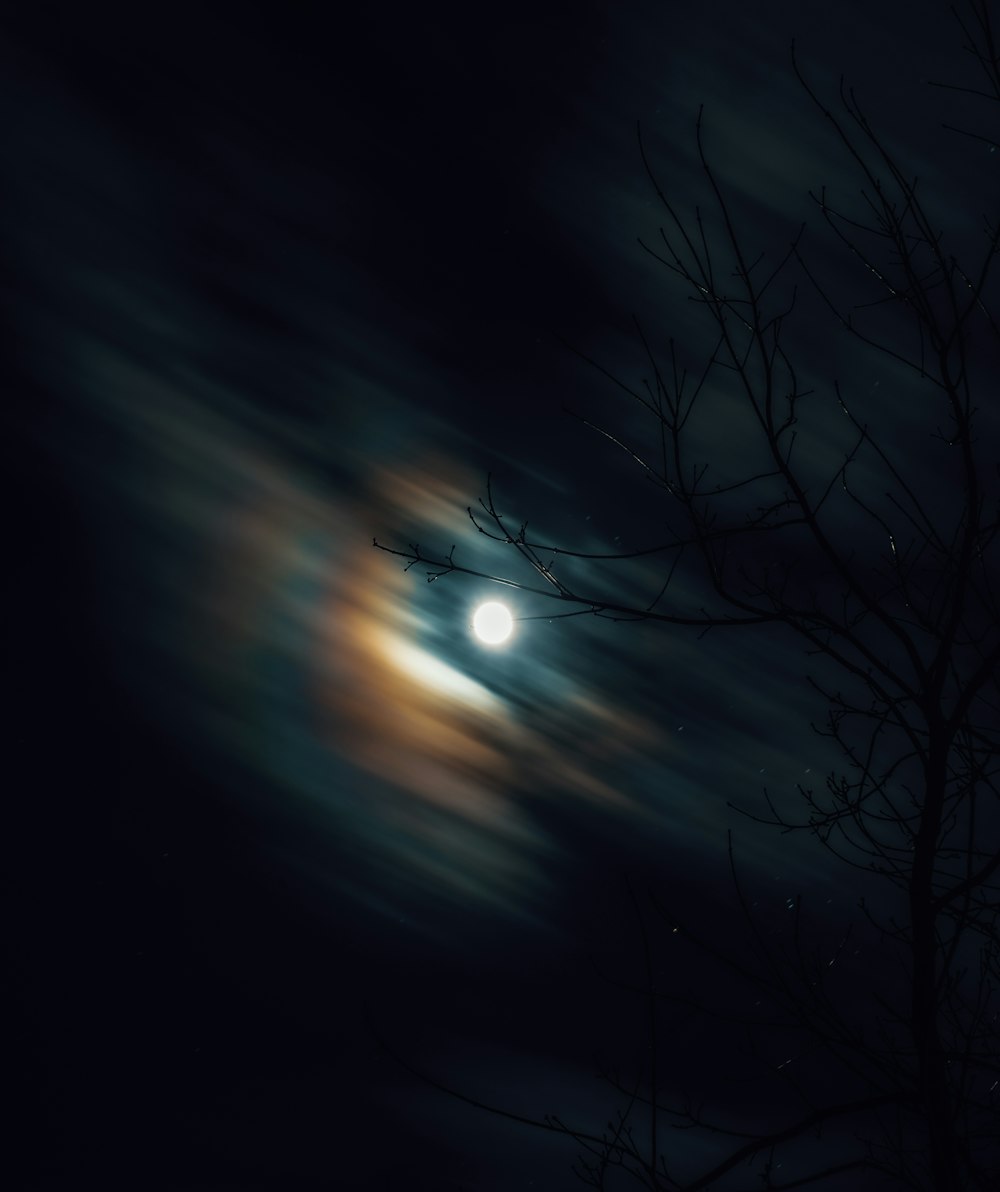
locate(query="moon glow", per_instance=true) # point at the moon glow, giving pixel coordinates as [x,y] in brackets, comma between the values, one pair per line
[492,623]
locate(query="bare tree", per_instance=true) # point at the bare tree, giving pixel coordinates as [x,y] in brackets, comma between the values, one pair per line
[884,567]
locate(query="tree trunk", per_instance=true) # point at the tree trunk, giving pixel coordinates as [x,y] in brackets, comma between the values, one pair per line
[932,1072]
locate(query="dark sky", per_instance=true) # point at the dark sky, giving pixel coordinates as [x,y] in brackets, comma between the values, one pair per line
[282,283]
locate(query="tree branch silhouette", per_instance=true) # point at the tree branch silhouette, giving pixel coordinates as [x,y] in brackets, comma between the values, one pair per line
[884,567]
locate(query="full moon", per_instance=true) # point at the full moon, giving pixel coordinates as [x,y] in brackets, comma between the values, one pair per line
[492,622]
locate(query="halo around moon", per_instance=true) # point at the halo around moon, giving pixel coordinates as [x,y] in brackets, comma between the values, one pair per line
[492,623]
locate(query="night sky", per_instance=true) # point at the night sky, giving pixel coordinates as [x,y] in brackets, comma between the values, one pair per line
[281,284]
